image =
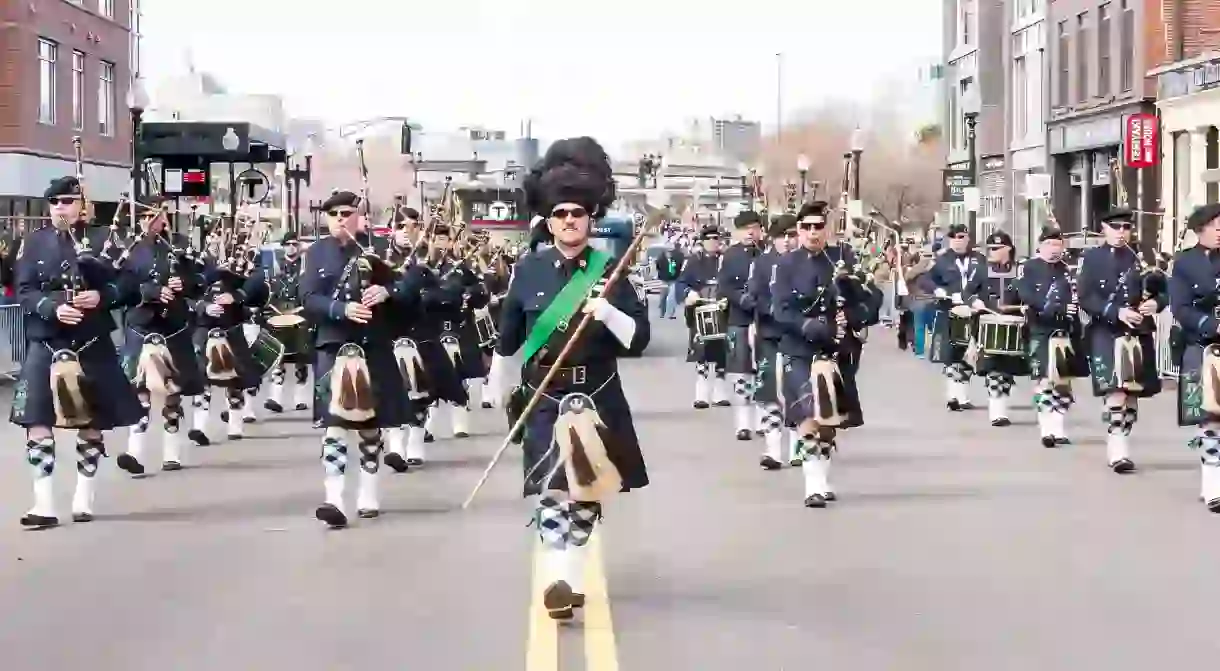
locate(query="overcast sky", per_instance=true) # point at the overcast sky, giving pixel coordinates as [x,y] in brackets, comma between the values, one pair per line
[619,71]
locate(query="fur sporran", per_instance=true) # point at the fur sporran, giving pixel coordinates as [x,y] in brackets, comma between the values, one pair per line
[351,387]
[453,349]
[1059,355]
[581,437]
[155,370]
[221,363]
[68,391]
[1209,377]
[411,367]
[1128,363]
[826,389]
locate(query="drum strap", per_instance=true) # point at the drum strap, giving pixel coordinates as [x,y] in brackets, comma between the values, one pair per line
[565,304]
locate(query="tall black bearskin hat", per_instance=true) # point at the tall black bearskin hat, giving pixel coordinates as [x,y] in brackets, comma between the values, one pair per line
[575,170]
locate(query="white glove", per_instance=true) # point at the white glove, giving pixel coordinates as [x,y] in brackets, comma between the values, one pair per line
[978,304]
[618,322]
[956,298]
[691,298]
[499,386]
[940,293]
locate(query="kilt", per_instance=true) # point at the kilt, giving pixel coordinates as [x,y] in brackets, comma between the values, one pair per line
[392,408]
[603,385]
[1101,362]
[766,389]
[1038,347]
[442,379]
[1017,366]
[110,396]
[709,351]
[798,404]
[940,349]
[1190,387]
[848,358]
[473,366]
[248,373]
[181,350]
[738,357]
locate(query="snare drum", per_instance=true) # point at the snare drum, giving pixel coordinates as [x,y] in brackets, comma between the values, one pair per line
[1002,335]
[959,330]
[267,352]
[485,327]
[711,321]
[292,331]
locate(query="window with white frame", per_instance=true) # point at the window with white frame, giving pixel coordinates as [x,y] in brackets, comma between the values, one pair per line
[951,119]
[1103,50]
[966,26]
[47,52]
[105,98]
[1020,102]
[78,90]
[106,8]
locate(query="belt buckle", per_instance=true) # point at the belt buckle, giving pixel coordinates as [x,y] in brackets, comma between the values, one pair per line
[1216,312]
[446,326]
[579,374]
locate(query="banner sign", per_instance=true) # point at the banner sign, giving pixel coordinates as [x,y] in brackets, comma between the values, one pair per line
[1140,141]
[955,184]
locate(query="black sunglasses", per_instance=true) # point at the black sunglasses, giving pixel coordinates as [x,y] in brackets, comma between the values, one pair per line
[996,248]
[64,200]
[574,212]
[806,225]
[342,214]
[959,236]
[1121,225]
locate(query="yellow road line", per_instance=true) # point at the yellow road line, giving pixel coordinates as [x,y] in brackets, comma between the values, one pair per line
[542,651]
[601,651]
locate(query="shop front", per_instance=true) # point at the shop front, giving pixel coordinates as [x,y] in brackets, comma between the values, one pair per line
[1189,105]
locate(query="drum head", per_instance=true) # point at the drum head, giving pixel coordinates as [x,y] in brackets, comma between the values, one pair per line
[285,321]
[962,311]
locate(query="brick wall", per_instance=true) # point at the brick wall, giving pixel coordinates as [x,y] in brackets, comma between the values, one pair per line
[1191,27]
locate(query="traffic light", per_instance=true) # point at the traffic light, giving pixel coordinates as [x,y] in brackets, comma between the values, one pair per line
[404,144]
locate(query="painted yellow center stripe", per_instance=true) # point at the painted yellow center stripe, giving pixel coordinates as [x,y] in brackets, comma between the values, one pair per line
[601,648]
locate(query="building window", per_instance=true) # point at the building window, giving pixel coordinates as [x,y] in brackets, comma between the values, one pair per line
[951,120]
[1082,57]
[1020,103]
[1126,47]
[1103,50]
[1065,50]
[47,51]
[78,90]
[965,17]
[966,86]
[106,8]
[105,99]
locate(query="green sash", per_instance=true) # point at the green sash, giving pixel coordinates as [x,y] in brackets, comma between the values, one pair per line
[557,314]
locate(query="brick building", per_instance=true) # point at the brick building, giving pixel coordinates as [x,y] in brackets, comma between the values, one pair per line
[1186,64]
[66,73]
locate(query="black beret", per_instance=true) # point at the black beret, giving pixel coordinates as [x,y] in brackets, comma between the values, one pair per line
[1050,233]
[781,225]
[1202,216]
[709,231]
[999,238]
[816,208]
[340,199]
[746,218]
[64,186]
[411,213]
[956,230]
[1118,214]
[289,238]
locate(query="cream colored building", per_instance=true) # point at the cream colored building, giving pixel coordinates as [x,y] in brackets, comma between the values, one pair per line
[1189,103]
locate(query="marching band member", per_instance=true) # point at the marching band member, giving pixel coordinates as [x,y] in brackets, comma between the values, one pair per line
[1048,290]
[1121,305]
[814,319]
[580,444]
[359,387]
[285,301]
[1194,292]
[854,287]
[697,284]
[766,343]
[497,269]
[461,287]
[71,378]
[732,281]
[161,288]
[221,336]
[956,281]
[1000,296]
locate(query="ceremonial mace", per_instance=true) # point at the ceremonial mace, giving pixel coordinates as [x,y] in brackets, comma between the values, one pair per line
[519,425]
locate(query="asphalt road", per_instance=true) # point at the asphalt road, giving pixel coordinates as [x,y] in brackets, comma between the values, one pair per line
[953,546]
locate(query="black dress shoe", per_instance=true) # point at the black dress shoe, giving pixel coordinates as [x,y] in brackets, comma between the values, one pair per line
[247,420]
[830,496]
[224,415]
[796,461]
[954,406]
[273,406]
[198,437]
[396,462]
[701,405]
[1063,440]
[32,521]
[235,436]
[557,598]
[1001,421]
[460,434]
[331,516]
[171,466]
[486,405]
[815,501]
[368,513]
[723,404]
[428,437]
[302,406]
[1123,466]
[769,464]
[82,517]
[1214,505]
[130,464]
[745,434]
[1049,441]
[415,461]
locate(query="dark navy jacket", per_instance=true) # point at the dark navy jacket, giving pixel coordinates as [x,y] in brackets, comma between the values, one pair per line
[803,302]
[1194,294]
[759,288]
[44,273]
[1110,279]
[732,281]
[1046,289]
[146,270]
[325,299]
[947,273]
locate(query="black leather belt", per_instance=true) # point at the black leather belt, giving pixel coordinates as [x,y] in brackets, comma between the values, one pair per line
[571,375]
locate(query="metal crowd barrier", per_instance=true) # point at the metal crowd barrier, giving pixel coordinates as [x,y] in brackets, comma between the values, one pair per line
[1164,355]
[12,340]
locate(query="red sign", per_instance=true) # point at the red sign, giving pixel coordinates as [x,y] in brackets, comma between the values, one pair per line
[1140,141]
[500,224]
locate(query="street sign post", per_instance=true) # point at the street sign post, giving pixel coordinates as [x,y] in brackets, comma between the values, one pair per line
[255,186]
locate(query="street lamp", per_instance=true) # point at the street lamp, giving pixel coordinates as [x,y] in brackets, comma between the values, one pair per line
[296,175]
[802,168]
[137,102]
[972,106]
